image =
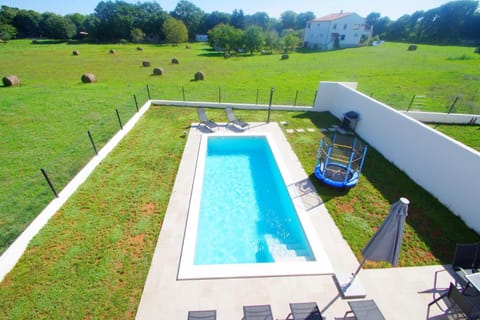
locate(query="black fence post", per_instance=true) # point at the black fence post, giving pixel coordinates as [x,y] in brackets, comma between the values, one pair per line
[183,92]
[270,104]
[295,102]
[49,182]
[315,97]
[119,120]
[136,103]
[92,142]
[148,93]
[453,104]
[411,103]
[219,95]
[256,101]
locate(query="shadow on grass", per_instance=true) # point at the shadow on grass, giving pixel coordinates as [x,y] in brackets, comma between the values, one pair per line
[436,229]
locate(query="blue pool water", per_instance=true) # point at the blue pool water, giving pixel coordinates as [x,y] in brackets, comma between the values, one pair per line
[246,214]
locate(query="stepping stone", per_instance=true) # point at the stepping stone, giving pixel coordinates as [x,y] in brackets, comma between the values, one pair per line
[290,131]
[332,129]
[285,123]
[300,130]
[323,130]
[310,130]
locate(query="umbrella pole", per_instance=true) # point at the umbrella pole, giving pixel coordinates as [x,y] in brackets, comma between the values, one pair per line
[354,275]
[358,269]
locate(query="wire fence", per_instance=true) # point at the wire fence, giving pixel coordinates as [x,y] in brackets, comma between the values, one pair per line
[23,201]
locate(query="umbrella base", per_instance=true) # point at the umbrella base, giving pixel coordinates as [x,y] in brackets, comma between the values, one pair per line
[348,288]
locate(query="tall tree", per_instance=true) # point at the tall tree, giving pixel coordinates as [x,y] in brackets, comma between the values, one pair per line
[253,38]
[260,19]
[115,20]
[209,21]
[175,31]
[372,19]
[303,18]
[27,23]
[226,37]
[54,26]
[190,14]
[288,20]
[238,19]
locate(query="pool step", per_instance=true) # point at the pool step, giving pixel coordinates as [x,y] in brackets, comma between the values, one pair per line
[281,251]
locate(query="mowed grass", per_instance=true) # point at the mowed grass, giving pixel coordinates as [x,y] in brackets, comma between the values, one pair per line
[92,259]
[467,134]
[44,122]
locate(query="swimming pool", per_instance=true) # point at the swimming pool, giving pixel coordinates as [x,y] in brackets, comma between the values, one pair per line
[246,214]
[271,234]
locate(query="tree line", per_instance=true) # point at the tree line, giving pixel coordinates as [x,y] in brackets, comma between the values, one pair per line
[455,22]
[149,22]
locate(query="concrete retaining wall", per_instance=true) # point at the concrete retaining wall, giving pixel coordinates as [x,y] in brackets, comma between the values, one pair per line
[448,118]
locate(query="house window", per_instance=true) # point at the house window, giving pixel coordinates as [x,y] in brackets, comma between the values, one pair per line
[342,37]
[344,27]
[335,26]
[308,26]
[356,26]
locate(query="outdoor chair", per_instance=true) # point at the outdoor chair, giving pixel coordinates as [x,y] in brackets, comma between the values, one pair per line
[365,310]
[466,256]
[258,312]
[232,119]
[202,315]
[205,121]
[460,304]
[305,311]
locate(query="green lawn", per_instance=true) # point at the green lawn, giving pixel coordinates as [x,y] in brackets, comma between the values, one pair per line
[467,134]
[92,258]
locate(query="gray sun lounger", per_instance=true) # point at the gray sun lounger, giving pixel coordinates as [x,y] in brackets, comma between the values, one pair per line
[305,311]
[205,121]
[365,310]
[259,312]
[202,315]
[232,119]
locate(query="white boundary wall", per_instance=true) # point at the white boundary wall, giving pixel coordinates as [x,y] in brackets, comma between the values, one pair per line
[446,168]
[449,118]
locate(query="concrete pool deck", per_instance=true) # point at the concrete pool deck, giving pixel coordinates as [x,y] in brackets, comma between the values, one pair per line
[400,293]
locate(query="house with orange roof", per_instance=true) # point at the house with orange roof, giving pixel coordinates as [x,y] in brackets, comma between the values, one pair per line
[335,31]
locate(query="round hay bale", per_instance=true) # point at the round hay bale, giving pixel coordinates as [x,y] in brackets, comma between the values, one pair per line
[89,78]
[112,51]
[477,50]
[11,80]
[199,76]
[76,52]
[175,61]
[157,71]
[187,46]
[146,63]
[139,49]
[226,55]
[284,57]
[412,47]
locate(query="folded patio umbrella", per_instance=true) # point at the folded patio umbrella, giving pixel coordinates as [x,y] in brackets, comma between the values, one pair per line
[386,242]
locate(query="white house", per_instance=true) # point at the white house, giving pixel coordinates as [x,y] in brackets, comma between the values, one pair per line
[337,30]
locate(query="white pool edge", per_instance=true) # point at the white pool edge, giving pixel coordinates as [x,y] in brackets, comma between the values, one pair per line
[189,271]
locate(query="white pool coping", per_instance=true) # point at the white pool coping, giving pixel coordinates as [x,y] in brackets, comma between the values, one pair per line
[189,270]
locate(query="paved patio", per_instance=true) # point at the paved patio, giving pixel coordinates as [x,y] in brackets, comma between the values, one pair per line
[400,293]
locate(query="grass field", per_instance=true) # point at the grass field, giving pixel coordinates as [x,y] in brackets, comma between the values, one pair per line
[91,260]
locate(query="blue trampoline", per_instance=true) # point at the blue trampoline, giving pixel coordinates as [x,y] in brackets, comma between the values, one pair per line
[340,161]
